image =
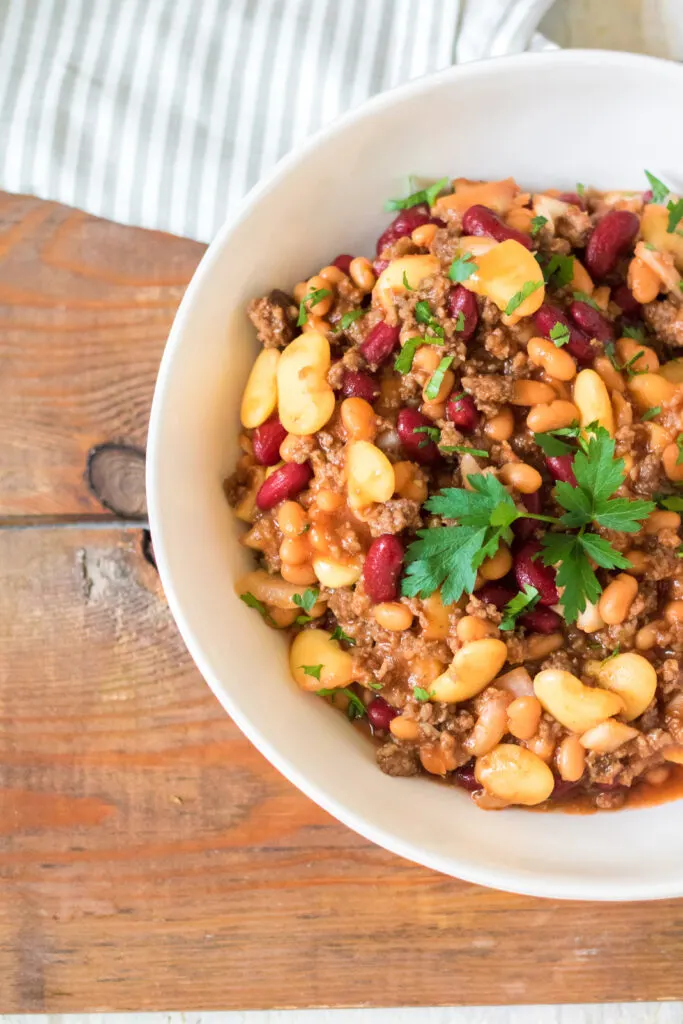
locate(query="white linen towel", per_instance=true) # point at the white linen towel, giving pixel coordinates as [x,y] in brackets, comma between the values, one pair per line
[163,113]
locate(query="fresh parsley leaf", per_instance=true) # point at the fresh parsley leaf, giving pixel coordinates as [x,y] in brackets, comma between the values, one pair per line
[675,208]
[659,189]
[424,315]
[315,296]
[559,267]
[351,317]
[462,449]
[307,599]
[580,189]
[253,602]
[406,283]
[419,693]
[612,654]
[443,557]
[672,502]
[651,413]
[633,332]
[339,634]
[436,379]
[462,268]
[460,322]
[433,434]
[536,224]
[374,686]
[356,708]
[627,368]
[574,574]
[559,334]
[424,195]
[522,602]
[550,443]
[679,445]
[519,297]
[312,670]
[404,360]
[602,552]
[585,297]
[472,508]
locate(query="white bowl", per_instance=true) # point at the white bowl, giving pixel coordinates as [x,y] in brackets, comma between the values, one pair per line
[549,120]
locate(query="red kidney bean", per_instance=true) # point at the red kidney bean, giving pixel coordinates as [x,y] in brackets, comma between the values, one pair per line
[402,225]
[381,569]
[285,482]
[611,239]
[380,713]
[462,301]
[541,620]
[496,594]
[463,413]
[379,266]
[561,468]
[592,323]
[406,422]
[343,262]
[578,345]
[574,198]
[524,528]
[357,384]
[380,343]
[266,441]
[479,220]
[465,778]
[623,297]
[531,571]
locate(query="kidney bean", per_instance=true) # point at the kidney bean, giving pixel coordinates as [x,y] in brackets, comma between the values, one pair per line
[464,776]
[380,343]
[579,345]
[462,301]
[561,468]
[357,384]
[574,198]
[380,713]
[592,323]
[381,569]
[402,225]
[532,572]
[266,441]
[479,220]
[285,482]
[343,262]
[407,421]
[541,620]
[611,239]
[524,528]
[463,412]
[496,594]
[647,196]
[623,297]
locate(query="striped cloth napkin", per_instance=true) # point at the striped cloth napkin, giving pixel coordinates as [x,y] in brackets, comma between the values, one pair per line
[163,113]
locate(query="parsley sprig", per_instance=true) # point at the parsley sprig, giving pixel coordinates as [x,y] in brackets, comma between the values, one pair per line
[559,270]
[462,268]
[306,602]
[519,605]
[423,195]
[537,223]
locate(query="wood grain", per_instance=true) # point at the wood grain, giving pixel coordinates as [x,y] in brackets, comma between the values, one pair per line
[85,308]
[150,858]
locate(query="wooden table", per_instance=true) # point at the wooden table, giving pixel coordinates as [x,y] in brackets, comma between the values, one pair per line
[150,858]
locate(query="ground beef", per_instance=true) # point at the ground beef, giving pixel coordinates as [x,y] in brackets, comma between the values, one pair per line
[575,225]
[489,392]
[395,515]
[274,318]
[445,245]
[665,319]
[398,760]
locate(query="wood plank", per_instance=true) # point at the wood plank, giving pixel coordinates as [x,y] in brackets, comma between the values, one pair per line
[152,859]
[85,308]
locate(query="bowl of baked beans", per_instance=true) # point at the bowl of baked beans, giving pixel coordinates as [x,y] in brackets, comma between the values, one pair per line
[416,473]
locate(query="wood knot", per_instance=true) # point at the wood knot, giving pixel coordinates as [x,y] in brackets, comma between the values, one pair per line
[116,476]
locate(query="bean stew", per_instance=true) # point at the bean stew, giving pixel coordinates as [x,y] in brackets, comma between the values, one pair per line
[462,473]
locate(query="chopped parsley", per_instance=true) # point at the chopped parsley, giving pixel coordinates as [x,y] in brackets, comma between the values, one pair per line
[659,189]
[612,654]
[374,686]
[627,368]
[356,708]
[424,195]
[424,315]
[550,441]
[585,297]
[462,268]
[675,208]
[433,434]
[679,445]
[634,332]
[419,693]
[460,322]
[462,449]
[671,502]
[253,602]
[312,299]
[520,603]
[559,334]
[536,224]
[519,297]
[580,189]
[651,413]
[559,270]
[305,601]
[404,360]
[339,634]
[436,380]
[351,317]
[312,670]
[406,283]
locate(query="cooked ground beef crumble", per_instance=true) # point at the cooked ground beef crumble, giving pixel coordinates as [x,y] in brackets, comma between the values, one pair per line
[510,356]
